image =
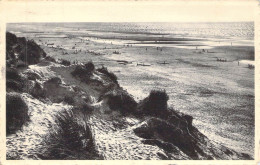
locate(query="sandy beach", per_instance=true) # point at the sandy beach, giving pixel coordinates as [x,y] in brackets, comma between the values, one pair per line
[214,84]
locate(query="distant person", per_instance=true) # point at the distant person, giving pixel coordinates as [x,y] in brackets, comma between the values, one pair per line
[238,63]
[146,49]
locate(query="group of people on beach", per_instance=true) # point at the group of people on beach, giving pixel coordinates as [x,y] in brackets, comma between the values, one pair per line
[221,59]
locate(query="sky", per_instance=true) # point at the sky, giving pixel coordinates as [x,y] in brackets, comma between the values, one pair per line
[130,11]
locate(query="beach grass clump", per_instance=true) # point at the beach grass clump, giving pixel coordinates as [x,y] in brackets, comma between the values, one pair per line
[49,58]
[76,100]
[155,104]
[90,66]
[32,76]
[18,48]
[82,73]
[72,139]
[83,109]
[37,91]
[11,39]
[14,81]
[54,80]
[14,86]
[120,100]
[16,112]
[111,75]
[69,99]
[31,52]
[21,64]
[12,73]
[65,62]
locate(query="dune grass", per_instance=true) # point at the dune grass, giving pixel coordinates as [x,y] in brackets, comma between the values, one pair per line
[65,62]
[16,112]
[111,75]
[120,100]
[155,104]
[83,72]
[49,58]
[90,66]
[72,138]
[14,82]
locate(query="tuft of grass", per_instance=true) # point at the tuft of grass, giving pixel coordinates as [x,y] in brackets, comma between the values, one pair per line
[90,66]
[111,75]
[121,100]
[71,140]
[155,104]
[14,86]
[31,52]
[65,62]
[69,99]
[21,64]
[49,58]
[14,82]
[28,51]
[83,73]
[16,112]
[32,76]
[37,91]
[54,80]
[12,73]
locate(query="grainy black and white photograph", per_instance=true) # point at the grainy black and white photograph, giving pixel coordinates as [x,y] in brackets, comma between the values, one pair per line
[130,90]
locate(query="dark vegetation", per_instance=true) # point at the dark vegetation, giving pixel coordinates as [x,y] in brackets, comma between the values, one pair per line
[155,104]
[16,112]
[37,91]
[71,140]
[120,100]
[65,62]
[79,103]
[49,58]
[106,82]
[54,80]
[19,54]
[32,76]
[69,99]
[83,72]
[18,48]
[89,66]
[111,75]
[14,82]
